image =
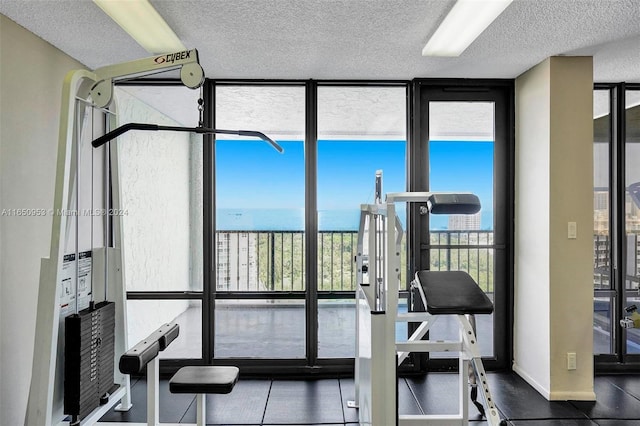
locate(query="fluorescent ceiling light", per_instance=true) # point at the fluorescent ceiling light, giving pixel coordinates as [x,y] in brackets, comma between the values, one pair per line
[143,23]
[464,23]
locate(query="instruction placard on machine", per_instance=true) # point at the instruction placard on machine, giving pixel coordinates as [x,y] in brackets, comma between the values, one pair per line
[69,292]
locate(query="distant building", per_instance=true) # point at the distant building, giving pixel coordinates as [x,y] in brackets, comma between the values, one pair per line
[468,222]
[237,255]
[601,200]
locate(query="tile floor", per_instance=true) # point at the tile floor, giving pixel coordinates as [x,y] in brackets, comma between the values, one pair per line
[324,402]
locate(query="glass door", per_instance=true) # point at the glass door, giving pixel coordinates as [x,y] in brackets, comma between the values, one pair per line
[464,145]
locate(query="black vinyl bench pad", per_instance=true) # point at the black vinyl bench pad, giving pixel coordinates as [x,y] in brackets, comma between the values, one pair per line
[453,293]
[204,379]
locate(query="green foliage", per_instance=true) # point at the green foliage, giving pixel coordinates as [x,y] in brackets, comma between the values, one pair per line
[279,258]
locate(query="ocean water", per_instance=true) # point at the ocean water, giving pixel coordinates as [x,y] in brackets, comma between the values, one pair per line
[328,220]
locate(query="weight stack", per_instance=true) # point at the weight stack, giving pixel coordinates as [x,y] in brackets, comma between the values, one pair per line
[88,358]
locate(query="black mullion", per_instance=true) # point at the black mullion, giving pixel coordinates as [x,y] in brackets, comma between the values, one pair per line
[502,266]
[164,295]
[414,163]
[258,295]
[209,226]
[311,220]
[617,214]
[324,83]
[613,297]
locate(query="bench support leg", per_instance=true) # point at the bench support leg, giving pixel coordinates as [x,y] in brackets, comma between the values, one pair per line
[471,344]
[463,389]
[153,392]
[201,409]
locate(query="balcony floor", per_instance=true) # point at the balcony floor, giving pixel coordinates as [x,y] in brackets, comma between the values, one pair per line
[260,329]
[289,402]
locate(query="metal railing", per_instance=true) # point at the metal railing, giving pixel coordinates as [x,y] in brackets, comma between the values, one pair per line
[602,261]
[274,261]
[469,251]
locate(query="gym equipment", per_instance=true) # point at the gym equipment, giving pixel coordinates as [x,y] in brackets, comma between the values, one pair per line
[632,317]
[201,130]
[200,380]
[88,358]
[144,357]
[440,292]
[83,260]
[80,266]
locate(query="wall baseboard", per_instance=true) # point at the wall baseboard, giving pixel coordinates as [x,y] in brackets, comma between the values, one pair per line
[527,378]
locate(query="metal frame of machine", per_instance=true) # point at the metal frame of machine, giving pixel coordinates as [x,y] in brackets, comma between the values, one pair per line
[377,352]
[86,91]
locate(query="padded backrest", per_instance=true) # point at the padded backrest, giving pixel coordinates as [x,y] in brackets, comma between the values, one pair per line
[453,204]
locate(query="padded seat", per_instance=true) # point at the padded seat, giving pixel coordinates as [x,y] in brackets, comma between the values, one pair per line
[204,379]
[453,293]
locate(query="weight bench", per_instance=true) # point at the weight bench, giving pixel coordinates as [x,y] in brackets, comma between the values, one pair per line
[200,380]
[452,293]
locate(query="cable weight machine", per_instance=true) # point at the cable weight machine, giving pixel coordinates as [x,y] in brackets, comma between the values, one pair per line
[77,340]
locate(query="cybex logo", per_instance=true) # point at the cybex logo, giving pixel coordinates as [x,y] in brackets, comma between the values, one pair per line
[172,57]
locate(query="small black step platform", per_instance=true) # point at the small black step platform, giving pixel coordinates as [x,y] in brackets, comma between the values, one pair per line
[453,293]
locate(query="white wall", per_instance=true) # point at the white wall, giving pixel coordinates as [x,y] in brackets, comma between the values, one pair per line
[553,299]
[31,75]
[531,292]
[155,175]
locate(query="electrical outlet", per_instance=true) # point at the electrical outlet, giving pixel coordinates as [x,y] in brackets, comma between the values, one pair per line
[572,230]
[571,361]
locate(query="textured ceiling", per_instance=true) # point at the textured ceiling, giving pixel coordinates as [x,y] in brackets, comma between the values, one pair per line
[350,39]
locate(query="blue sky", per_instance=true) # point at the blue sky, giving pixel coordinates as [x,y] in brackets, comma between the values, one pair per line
[463,166]
[252,175]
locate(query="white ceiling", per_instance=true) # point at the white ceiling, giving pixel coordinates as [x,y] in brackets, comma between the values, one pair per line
[350,39]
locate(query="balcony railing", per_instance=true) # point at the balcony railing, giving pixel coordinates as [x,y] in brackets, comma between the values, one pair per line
[273,261]
[602,261]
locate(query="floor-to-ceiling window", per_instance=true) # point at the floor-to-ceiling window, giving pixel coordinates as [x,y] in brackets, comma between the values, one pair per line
[286,224]
[632,212]
[616,224]
[271,236]
[260,280]
[158,185]
[361,129]
[604,295]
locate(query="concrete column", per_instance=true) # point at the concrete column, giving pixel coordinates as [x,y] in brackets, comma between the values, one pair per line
[553,299]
